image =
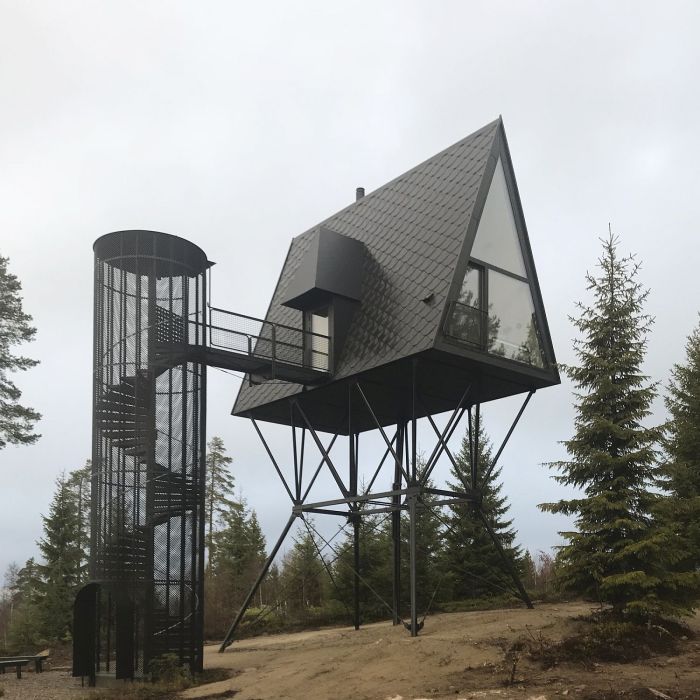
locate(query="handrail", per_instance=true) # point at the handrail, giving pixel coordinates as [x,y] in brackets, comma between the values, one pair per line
[271,341]
[268,323]
[310,344]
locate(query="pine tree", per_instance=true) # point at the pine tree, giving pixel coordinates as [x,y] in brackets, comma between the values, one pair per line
[219,489]
[16,421]
[617,555]
[476,567]
[682,447]
[61,570]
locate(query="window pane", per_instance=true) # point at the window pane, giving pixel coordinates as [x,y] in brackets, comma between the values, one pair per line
[496,239]
[465,321]
[512,326]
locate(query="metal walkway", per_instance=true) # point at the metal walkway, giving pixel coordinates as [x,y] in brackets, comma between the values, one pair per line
[262,349]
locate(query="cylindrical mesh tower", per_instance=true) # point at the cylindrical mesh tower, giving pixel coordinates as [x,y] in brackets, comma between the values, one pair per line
[147,548]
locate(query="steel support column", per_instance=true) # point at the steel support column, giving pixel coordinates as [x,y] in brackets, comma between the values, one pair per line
[396,523]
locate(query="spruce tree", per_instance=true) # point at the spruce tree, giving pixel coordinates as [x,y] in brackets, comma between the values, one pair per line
[60,571]
[375,569]
[304,579]
[430,562]
[617,555]
[16,421]
[681,511]
[476,567]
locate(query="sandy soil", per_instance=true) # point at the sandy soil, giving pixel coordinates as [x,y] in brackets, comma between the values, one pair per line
[460,655]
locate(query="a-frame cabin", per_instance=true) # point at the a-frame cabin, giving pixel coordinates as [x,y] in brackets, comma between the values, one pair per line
[433,271]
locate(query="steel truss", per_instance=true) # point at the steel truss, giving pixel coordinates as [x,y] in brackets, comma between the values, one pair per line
[406,494]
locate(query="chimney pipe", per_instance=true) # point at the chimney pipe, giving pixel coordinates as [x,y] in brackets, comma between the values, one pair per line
[359,193]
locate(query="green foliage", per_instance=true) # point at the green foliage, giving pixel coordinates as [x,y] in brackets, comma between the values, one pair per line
[24,628]
[16,421]
[61,572]
[239,553]
[167,670]
[431,576]
[475,565]
[43,593]
[375,569]
[304,577]
[618,554]
[603,639]
[681,469]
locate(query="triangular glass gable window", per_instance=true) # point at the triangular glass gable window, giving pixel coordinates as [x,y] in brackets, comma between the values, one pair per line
[495,311]
[496,239]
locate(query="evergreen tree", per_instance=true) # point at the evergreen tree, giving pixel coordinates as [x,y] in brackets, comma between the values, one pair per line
[375,569]
[60,573]
[681,511]
[218,491]
[16,421]
[239,548]
[80,483]
[430,561]
[476,566]
[24,625]
[617,555]
[304,579]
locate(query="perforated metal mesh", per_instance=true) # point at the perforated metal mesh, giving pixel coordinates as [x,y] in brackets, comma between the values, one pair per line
[148,448]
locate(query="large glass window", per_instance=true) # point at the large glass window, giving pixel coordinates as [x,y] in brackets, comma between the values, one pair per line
[497,241]
[494,310]
[512,326]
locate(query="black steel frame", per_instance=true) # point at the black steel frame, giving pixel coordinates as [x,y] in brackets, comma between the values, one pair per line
[408,487]
[149,415]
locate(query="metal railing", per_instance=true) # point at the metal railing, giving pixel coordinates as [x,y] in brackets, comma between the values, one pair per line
[269,341]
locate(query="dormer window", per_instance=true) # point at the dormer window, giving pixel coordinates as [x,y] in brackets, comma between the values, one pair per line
[326,288]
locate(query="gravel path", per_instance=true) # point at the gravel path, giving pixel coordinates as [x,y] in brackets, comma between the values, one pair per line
[49,685]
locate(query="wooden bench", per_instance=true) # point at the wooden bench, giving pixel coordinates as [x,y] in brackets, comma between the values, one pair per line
[38,660]
[17,663]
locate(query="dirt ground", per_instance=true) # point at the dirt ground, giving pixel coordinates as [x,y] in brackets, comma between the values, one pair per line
[458,655]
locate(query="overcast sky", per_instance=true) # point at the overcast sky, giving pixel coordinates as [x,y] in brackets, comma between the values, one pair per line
[240,125]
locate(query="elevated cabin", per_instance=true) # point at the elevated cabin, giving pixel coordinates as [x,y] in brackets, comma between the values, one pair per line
[430,277]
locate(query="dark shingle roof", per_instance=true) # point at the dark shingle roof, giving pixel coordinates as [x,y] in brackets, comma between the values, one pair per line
[413,229]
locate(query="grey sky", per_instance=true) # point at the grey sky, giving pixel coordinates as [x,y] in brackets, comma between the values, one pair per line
[239,125]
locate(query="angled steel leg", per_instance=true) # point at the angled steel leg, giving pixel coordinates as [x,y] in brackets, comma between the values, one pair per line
[268,562]
[412,564]
[509,564]
[396,524]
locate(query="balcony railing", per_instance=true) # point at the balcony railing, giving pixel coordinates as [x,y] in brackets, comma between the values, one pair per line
[268,341]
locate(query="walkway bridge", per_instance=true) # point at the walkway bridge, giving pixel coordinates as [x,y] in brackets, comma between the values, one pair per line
[241,343]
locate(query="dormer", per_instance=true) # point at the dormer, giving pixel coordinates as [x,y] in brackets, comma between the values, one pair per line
[326,288]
